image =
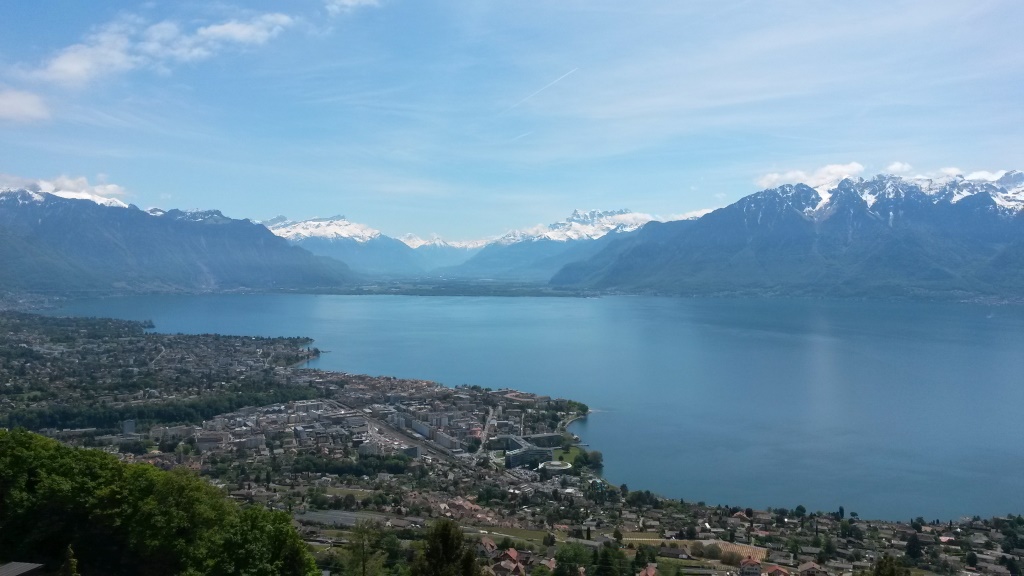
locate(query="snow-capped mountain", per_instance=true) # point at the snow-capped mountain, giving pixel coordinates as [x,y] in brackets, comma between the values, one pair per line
[580,225]
[886,235]
[332,228]
[1007,191]
[535,254]
[415,242]
[363,248]
[589,225]
[39,195]
[544,247]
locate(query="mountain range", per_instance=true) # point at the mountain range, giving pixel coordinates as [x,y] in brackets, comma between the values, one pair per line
[882,237]
[50,243]
[886,236]
[530,255]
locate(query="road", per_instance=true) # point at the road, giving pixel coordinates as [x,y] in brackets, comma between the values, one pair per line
[483,435]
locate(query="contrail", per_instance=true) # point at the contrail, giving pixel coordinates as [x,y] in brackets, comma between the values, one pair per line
[552,83]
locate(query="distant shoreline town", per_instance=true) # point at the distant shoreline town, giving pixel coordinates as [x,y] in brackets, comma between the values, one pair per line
[334,449]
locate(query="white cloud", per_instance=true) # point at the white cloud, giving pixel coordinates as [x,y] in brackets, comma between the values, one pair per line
[76,187]
[950,171]
[986,175]
[80,184]
[898,168]
[107,51]
[22,106]
[256,31]
[829,174]
[338,6]
[129,44]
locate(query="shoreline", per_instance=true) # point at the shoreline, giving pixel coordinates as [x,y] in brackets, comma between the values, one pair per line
[678,486]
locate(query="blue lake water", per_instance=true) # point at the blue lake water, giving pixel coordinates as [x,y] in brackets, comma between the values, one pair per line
[892,410]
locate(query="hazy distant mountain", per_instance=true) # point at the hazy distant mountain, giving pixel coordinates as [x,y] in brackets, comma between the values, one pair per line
[53,243]
[535,254]
[438,253]
[361,247]
[531,255]
[878,237]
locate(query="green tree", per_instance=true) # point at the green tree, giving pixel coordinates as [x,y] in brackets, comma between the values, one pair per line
[972,559]
[829,548]
[731,558]
[260,542]
[365,559]
[713,551]
[132,518]
[569,558]
[391,547]
[70,566]
[888,566]
[612,562]
[444,552]
[914,548]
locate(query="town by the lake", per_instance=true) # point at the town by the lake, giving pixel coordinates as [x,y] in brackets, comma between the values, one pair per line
[337,450]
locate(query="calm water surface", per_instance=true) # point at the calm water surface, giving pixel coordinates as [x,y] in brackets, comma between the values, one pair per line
[892,410]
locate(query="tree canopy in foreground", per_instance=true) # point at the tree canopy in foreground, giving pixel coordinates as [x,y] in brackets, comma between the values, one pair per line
[132,518]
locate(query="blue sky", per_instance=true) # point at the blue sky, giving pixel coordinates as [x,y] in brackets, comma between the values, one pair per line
[470,118]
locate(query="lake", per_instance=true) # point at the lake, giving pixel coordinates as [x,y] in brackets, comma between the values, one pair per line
[892,410]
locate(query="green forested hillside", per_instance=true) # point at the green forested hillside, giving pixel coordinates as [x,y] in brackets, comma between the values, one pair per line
[132,518]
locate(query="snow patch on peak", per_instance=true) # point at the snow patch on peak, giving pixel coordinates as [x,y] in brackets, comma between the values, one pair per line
[413,241]
[37,194]
[580,225]
[102,201]
[1006,188]
[825,193]
[1012,181]
[21,195]
[333,228]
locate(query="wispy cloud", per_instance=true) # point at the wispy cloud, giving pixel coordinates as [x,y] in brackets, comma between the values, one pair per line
[20,106]
[81,184]
[825,175]
[338,6]
[953,171]
[130,43]
[986,175]
[545,87]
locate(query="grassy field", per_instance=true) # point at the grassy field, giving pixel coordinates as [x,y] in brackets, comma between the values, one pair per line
[568,455]
[672,565]
[535,537]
